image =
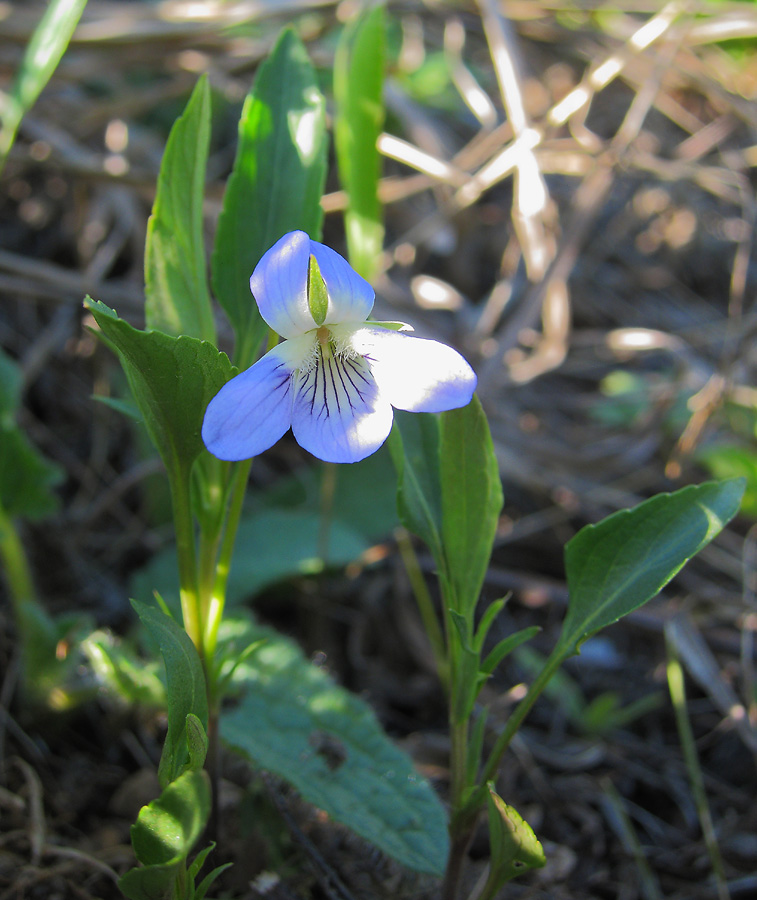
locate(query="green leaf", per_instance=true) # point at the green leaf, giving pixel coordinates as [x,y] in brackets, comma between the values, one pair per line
[202,888]
[197,742]
[164,834]
[119,670]
[731,461]
[414,446]
[185,687]
[43,53]
[172,379]
[471,500]
[514,847]
[177,300]
[358,86]
[622,562]
[26,477]
[276,184]
[505,647]
[328,744]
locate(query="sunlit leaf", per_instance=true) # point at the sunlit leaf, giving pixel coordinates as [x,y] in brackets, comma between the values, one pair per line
[358,92]
[275,186]
[328,744]
[177,300]
[185,689]
[172,380]
[164,834]
[617,565]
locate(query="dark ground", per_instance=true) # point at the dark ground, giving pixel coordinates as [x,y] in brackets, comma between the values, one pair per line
[649,226]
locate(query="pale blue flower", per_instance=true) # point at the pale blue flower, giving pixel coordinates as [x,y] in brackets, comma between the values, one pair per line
[335,377]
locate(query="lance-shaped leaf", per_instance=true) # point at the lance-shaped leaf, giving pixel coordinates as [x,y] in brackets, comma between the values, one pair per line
[164,834]
[185,694]
[414,447]
[358,87]
[172,379]
[471,500]
[276,184]
[622,562]
[177,300]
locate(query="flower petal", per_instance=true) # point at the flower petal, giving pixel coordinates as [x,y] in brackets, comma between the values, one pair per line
[339,414]
[279,285]
[413,373]
[350,295]
[253,410]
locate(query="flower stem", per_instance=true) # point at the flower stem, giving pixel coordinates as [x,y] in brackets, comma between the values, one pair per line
[425,604]
[185,548]
[237,489]
[519,714]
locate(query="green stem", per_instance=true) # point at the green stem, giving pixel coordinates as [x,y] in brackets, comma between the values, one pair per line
[425,605]
[696,779]
[516,718]
[223,564]
[17,571]
[185,548]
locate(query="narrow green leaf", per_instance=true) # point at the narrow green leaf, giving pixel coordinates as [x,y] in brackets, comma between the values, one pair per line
[199,861]
[204,886]
[471,500]
[185,687]
[505,647]
[328,744]
[172,379]
[276,184]
[487,620]
[177,300]
[164,834]
[43,53]
[358,85]
[622,562]
[414,447]
[514,846]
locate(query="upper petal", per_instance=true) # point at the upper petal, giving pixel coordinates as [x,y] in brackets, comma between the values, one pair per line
[253,410]
[413,373]
[350,295]
[279,284]
[339,414]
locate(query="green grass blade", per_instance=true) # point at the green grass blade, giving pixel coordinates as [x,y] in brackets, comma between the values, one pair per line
[43,53]
[358,85]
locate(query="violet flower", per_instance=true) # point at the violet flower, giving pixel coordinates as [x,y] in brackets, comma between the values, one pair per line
[335,377]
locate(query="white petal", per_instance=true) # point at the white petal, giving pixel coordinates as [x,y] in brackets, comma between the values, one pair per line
[413,373]
[253,410]
[279,285]
[339,414]
[350,295]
